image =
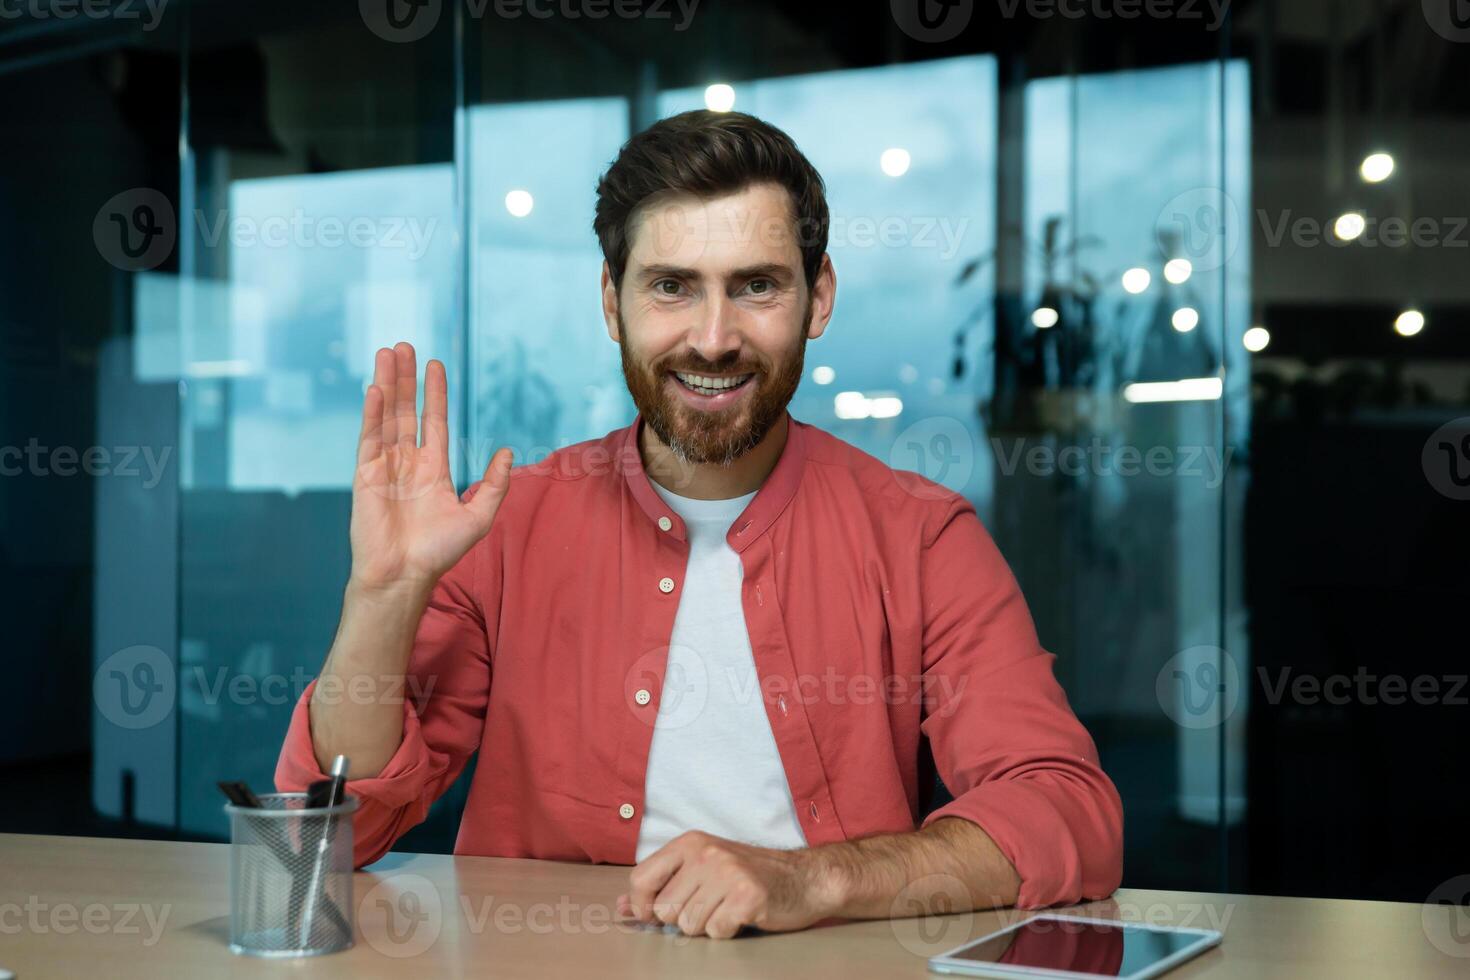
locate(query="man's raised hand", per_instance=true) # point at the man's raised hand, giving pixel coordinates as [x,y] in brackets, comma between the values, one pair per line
[409,526]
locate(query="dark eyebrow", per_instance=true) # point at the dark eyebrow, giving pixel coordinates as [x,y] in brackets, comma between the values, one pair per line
[659,271]
[771,270]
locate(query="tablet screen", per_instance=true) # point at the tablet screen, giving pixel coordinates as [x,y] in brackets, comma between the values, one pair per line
[1055,943]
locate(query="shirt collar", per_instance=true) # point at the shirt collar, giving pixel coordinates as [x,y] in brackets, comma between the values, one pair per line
[770,500]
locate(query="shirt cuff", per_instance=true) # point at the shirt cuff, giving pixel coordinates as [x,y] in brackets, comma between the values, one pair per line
[1030,830]
[381,798]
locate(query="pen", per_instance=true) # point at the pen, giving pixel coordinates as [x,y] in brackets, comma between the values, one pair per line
[313,891]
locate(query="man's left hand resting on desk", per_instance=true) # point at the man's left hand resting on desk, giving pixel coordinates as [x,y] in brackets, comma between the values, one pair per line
[708,886]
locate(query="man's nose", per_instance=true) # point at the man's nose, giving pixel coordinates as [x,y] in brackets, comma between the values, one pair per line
[717,332]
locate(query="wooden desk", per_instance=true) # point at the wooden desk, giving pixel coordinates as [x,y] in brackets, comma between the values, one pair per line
[81,907]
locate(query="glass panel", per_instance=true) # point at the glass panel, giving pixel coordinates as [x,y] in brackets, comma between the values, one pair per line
[545,374]
[1117,501]
[320,222]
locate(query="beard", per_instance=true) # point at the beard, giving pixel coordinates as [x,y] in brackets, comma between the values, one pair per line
[722,436]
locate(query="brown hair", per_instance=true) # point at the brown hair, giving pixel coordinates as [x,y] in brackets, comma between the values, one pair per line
[709,154]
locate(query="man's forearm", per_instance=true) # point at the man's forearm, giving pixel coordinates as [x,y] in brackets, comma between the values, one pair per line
[950,866]
[357,706]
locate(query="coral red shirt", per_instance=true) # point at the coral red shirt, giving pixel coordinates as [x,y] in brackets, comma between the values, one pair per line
[880,614]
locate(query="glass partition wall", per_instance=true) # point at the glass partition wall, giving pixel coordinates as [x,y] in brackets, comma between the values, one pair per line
[1042,293]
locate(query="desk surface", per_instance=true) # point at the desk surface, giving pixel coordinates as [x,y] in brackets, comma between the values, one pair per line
[70,906]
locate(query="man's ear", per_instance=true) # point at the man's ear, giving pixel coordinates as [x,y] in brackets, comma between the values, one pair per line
[824,298]
[610,303]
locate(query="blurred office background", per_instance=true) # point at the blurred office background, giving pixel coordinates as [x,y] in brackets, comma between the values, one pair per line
[1175,293]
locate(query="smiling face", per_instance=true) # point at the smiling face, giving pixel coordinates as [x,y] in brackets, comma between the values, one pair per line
[713,317]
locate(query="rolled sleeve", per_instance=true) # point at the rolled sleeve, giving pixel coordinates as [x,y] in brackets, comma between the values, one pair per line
[386,801]
[1005,741]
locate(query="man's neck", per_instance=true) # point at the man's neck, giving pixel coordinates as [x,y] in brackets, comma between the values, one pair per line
[707,481]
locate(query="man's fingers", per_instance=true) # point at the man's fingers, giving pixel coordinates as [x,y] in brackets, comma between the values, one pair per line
[727,919]
[406,395]
[435,432]
[370,439]
[385,376]
[695,911]
[649,878]
[492,490]
[673,899]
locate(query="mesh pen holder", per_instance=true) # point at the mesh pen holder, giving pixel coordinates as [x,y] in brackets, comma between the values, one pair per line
[290,877]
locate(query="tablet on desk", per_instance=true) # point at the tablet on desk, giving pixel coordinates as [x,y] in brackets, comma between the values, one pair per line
[1075,948]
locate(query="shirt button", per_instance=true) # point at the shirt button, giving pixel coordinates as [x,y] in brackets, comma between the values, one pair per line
[664,523]
[666,585]
[643,697]
[626,811]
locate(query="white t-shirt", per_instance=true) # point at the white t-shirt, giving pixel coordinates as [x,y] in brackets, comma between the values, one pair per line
[713,765]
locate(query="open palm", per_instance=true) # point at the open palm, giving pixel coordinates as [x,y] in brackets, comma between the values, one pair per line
[409,526]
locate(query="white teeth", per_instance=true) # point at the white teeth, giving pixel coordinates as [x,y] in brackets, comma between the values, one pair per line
[714,384]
